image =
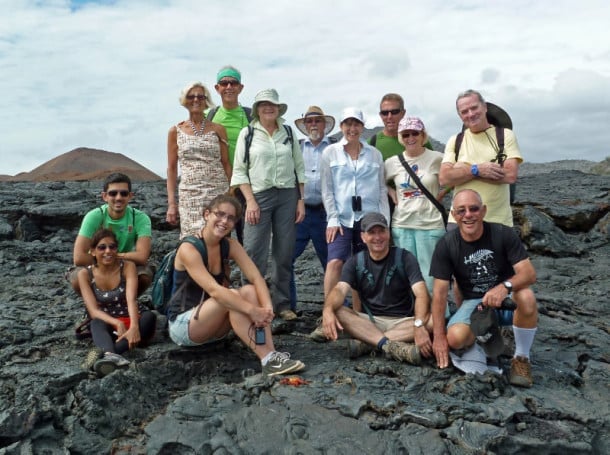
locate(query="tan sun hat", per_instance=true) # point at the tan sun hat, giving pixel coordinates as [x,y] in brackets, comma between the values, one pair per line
[270,95]
[315,111]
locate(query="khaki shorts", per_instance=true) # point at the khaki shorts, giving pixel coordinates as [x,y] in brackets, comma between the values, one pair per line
[385,323]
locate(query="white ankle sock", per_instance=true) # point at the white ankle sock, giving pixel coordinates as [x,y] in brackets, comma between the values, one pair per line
[524,338]
[265,359]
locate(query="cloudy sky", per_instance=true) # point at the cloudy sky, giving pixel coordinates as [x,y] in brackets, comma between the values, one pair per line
[107,73]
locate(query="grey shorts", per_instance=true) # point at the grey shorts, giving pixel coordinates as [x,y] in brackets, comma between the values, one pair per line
[462,315]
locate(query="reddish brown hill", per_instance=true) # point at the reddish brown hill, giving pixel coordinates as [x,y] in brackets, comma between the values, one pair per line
[85,164]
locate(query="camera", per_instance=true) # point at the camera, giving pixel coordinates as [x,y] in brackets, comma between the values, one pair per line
[259,335]
[356,203]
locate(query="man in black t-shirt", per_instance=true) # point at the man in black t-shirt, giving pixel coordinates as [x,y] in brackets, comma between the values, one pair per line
[394,303]
[489,263]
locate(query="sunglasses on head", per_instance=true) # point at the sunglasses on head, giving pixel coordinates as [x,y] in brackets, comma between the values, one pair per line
[199,97]
[104,247]
[225,83]
[390,111]
[113,193]
[408,135]
[462,210]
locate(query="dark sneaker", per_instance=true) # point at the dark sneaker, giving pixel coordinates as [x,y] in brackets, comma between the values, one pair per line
[280,363]
[521,372]
[318,334]
[92,356]
[357,348]
[288,315]
[404,352]
[109,363]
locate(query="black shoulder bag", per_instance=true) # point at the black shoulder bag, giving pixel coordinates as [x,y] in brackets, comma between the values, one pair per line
[429,195]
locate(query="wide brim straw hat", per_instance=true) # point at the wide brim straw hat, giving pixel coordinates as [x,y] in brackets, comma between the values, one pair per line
[315,111]
[270,95]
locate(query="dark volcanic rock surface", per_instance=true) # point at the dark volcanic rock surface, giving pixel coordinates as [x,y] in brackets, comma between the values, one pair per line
[213,399]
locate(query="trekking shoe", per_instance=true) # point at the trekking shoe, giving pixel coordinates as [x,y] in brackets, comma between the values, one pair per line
[318,333]
[92,356]
[280,363]
[357,348]
[404,352]
[109,363]
[521,372]
[288,315]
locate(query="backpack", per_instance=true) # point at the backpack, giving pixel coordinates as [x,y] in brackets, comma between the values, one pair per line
[212,113]
[501,120]
[163,282]
[249,138]
[363,273]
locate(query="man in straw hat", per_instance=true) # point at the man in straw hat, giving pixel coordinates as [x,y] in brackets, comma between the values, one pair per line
[315,125]
[480,166]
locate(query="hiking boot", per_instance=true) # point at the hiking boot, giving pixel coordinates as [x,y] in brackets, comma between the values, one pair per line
[318,334]
[288,315]
[404,352]
[92,356]
[109,363]
[280,363]
[521,372]
[357,348]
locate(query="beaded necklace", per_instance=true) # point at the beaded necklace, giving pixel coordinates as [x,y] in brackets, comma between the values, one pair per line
[195,130]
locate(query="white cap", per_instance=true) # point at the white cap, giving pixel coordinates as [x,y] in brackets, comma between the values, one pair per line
[352,112]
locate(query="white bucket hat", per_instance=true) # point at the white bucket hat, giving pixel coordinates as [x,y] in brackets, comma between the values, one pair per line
[270,95]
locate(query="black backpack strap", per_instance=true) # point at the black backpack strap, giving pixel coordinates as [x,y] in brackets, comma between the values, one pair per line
[248,112]
[249,138]
[458,143]
[373,140]
[440,207]
[212,113]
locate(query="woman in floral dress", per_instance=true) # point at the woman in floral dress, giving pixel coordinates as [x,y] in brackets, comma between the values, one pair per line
[200,147]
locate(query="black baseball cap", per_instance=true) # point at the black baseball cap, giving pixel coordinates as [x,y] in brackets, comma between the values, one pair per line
[372,219]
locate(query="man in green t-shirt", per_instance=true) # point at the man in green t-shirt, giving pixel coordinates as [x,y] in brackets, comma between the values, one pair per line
[233,117]
[131,226]
[391,111]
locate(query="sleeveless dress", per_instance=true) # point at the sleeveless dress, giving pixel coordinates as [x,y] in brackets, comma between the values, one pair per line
[202,178]
[113,301]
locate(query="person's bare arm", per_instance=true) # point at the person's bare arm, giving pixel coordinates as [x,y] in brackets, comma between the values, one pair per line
[142,252]
[81,256]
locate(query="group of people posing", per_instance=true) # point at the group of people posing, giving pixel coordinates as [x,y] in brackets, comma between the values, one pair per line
[371,209]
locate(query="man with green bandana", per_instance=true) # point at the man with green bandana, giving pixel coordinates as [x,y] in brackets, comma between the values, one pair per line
[233,117]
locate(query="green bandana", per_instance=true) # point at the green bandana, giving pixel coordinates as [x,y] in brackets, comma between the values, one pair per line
[228,72]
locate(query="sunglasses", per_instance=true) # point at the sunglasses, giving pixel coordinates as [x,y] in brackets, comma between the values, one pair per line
[462,210]
[390,111]
[104,247]
[227,83]
[314,120]
[113,193]
[225,216]
[199,97]
[408,135]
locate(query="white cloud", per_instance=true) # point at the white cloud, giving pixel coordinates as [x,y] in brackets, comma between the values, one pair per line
[107,74]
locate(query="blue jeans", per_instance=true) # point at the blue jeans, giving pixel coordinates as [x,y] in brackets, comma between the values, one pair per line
[278,208]
[312,228]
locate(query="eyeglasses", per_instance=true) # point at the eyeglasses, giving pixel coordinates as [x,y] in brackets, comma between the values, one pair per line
[113,193]
[226,83]
[225,216]
[408,135]
[314,120]
[462,210]
[199,97]
[104,247]
[387,112]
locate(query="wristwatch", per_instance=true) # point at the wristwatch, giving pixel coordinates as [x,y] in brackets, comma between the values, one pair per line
[508,285]
[474,170]
[418,323]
